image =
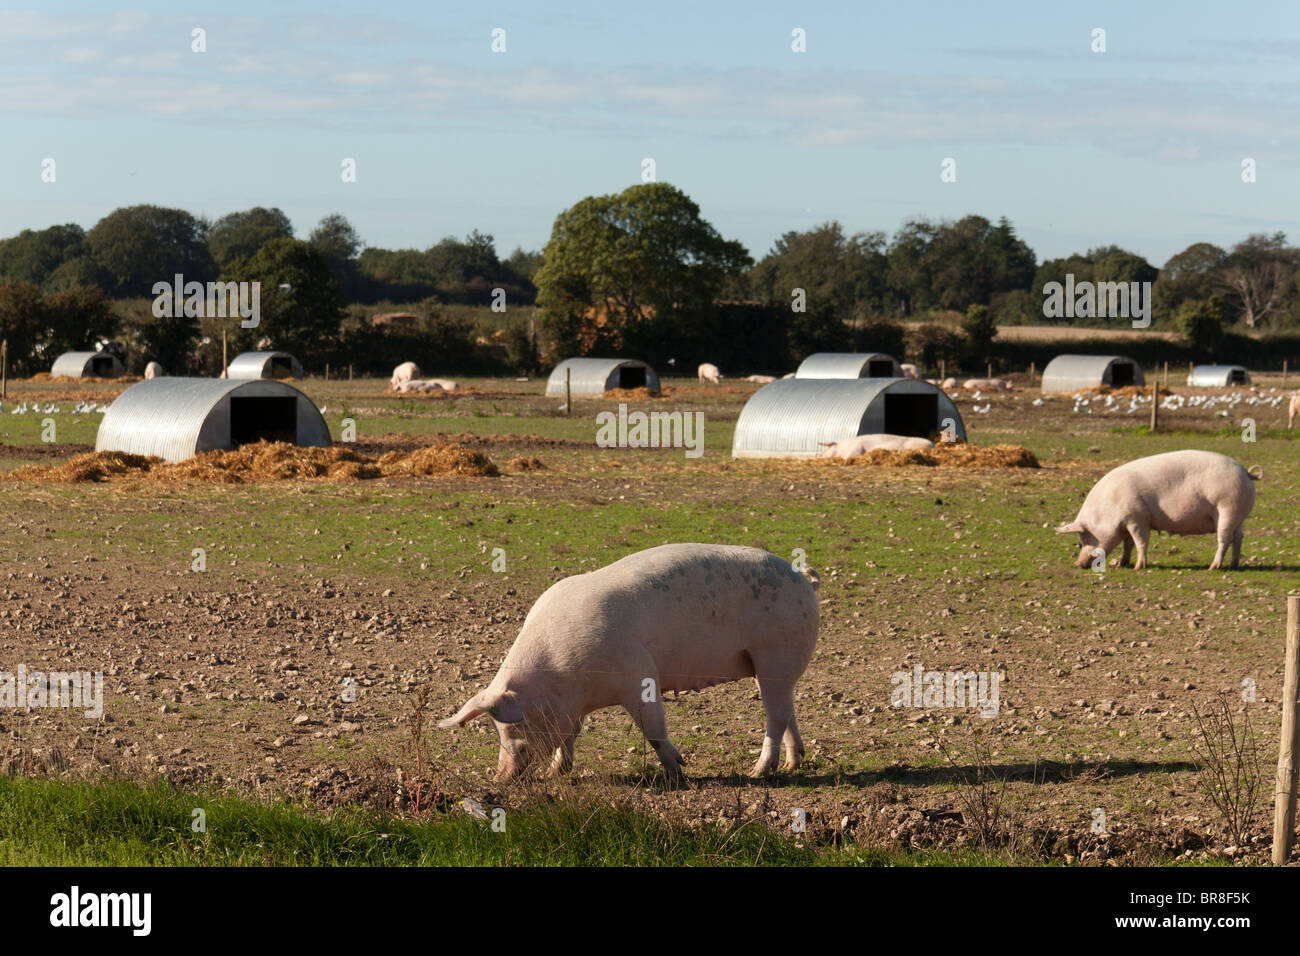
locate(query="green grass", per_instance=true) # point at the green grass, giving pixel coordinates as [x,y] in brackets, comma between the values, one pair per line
[53,823]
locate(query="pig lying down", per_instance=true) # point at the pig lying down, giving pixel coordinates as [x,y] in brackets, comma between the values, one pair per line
[1179,492]
[677,617]
[861,444]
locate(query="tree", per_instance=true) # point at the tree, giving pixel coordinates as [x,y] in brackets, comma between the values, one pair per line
[137,246]
[523,263]
[238,235]
[76,318]
[33,256]
[1189,274]
[642,262]
[1259,273]
[302,318]
[336,239]
[849,274]
[980,331]
[22,321]
[1201,321]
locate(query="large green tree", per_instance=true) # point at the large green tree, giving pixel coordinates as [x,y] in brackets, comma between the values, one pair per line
[239,235]
[848,274]
[302,318]
[644,262]
[137,246]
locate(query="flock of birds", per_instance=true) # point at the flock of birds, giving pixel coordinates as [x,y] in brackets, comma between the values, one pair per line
[82,408]
[1086,403]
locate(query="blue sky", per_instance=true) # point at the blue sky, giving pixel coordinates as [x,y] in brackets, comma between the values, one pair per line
[1141,145]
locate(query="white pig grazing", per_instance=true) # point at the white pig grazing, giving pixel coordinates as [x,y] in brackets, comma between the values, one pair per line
[909,370]
[677,617]
[153,370]
[861,444]
[1179,492]
[1293,409]
[948,383]
[708,372]
[405,372]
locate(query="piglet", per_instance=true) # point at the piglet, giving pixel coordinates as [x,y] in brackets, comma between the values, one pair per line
[1179,492]
[676,617]
[861,444]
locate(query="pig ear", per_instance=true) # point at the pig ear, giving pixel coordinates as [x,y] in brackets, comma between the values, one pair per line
[503,706]
[1074,527]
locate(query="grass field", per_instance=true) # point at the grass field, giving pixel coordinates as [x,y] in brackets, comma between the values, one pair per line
[227,682]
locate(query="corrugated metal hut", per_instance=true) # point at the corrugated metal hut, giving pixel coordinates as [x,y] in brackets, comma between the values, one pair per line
[1069,373]
[595,376]
[1210,376]
[87,364]
[264,365]
[792,417]
[176,418]
[849,365]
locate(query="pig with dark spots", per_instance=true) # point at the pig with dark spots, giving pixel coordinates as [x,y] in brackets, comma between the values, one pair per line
[1179,492]
[652,622]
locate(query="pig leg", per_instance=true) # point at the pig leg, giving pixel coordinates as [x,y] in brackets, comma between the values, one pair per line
[793,745]
[1128,551]
[562,762]
[778,703]
[649,717]
[1140,534]
[1229,532]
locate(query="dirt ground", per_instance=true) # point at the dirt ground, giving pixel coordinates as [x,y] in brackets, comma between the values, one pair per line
[232,679]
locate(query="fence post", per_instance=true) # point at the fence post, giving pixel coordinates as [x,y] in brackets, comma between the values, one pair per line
[4,369]
[1284,373]
[327,371]
[568,394]
[1284,793]
[1165,383]
[1155,405]
[1033,367]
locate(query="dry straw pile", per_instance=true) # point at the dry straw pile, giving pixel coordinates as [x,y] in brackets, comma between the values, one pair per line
[265,461]
[950,454]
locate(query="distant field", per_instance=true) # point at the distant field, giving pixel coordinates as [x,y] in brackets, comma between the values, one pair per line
[1067,333]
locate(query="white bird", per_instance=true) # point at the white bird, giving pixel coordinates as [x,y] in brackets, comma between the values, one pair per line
[982,411]
[1037,402]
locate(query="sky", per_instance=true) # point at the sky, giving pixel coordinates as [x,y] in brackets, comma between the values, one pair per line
[1141,145]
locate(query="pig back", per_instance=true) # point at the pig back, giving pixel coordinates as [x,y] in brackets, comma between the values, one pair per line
[699,610]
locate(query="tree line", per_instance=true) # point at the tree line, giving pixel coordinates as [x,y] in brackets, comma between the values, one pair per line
[635,273]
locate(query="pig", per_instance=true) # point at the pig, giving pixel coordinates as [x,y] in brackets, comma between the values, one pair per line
[405,372]
[1292,409]
[948,383]
[761,379]
[909,370]
[677,617]
[1178,492]
[442,383]
[708,372]
[153,370]
[860,445]
[974,384]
